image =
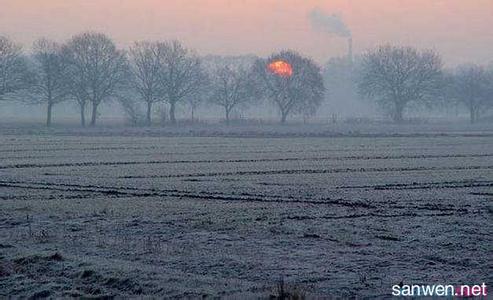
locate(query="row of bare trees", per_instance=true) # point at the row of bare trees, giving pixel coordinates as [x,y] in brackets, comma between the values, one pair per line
[398,77]
[89,70]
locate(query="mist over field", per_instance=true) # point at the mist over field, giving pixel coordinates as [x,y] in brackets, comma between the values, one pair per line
[245,149]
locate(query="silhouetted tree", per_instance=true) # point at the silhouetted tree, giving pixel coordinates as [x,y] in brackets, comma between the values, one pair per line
[15,74]
[193,103]
[132,109]
[97,70]
[231,88]
[51,76]
[472,86]
[182,75]
[302,92]
[397,76]
[147,71]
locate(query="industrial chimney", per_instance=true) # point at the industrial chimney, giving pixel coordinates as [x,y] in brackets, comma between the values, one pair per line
[350,50]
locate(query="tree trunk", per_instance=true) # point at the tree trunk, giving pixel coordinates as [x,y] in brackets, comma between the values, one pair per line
[149,112]
[284,116]
[399,113]
[227,115]
[48,114]
[82,115]
[172,118]
[94,114]
[473,115]
[192,114]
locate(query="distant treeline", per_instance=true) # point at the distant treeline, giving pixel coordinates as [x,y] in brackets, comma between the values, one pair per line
[89,70]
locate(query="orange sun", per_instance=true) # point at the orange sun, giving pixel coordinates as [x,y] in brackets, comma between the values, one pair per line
[281,68]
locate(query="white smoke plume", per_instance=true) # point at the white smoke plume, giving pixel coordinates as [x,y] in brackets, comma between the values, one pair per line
[329,23]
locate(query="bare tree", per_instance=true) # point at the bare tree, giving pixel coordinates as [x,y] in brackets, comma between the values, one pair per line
[232,87]
[182,75]
[472,86]
[51,73]
[297,87]
[397,76]
[194,103]
[15,74]
[98,70]
[135,116]
[146,68]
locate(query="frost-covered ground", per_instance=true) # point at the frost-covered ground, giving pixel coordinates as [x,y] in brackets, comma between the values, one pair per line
[368,129]
[113,213]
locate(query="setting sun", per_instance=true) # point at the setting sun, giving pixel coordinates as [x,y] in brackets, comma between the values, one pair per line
[281,68]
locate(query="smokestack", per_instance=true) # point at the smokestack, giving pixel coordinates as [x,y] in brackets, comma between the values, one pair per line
[350,50]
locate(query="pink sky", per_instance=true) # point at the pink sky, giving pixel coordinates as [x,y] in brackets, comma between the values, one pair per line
[460,29]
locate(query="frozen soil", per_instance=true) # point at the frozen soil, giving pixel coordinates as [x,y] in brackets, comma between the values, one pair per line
[194,217]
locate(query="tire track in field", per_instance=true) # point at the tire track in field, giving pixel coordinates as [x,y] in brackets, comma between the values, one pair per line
[100,148]
[309,171]
[78,149]
[371,215]
[119,192]
[423,185]
[136,192]
[342,158]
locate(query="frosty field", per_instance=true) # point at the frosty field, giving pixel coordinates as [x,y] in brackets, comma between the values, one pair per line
[222,216]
